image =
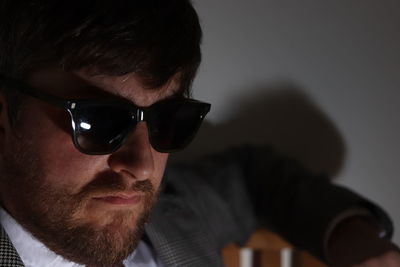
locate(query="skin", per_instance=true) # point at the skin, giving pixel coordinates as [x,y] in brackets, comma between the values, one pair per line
[41,149]
[356,242]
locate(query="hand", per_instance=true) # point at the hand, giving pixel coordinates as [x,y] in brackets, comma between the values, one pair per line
[356,243]
[388,259]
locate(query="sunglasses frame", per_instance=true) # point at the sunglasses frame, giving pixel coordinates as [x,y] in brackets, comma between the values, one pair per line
[140,113]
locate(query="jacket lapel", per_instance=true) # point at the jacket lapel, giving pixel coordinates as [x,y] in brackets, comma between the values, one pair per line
[8,255]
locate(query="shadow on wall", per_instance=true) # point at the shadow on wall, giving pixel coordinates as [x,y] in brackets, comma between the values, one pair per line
[280,116]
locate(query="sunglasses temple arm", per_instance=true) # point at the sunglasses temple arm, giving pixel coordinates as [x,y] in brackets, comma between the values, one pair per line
[50,99]
[25,89]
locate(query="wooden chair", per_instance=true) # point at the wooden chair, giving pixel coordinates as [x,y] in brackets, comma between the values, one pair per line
[266,249]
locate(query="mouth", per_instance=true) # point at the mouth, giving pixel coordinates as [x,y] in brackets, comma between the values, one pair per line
[120,199]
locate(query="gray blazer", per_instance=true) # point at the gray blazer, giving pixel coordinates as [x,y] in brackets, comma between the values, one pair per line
[223,198]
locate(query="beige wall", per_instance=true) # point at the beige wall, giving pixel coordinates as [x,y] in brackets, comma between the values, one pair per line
[323,77]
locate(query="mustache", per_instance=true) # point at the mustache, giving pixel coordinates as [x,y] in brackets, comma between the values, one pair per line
[110,183]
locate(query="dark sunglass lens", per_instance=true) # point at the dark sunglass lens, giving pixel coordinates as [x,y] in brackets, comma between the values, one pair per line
[174,124]
[101,129]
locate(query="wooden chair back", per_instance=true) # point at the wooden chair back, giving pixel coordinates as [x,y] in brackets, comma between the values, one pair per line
[266,249]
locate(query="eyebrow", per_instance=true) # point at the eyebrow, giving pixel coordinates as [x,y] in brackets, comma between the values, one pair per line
[93,93]
[179,91]
[158,93]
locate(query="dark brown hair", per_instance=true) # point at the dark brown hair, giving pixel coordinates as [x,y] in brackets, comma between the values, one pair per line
[153,38]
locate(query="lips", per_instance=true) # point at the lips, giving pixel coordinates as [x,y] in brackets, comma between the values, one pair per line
[120,199]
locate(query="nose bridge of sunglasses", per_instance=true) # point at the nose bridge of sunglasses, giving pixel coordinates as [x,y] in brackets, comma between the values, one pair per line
[140,115]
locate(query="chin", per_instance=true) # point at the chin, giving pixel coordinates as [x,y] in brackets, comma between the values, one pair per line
[120,221]
[105,237]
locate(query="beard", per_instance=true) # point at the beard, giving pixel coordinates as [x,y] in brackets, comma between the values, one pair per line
[59,219]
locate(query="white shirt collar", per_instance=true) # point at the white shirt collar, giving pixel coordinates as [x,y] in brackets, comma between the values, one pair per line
[34,253]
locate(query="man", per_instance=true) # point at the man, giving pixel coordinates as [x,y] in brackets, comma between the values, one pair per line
[94,97]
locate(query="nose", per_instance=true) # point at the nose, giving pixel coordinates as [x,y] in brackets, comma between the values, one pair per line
[135,157]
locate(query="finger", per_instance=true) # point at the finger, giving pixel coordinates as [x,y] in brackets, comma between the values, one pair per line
[392,258]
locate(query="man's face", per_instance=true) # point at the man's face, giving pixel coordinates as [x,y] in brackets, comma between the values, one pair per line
[89,208]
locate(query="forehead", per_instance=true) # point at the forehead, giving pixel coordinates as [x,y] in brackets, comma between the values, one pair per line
[81,84]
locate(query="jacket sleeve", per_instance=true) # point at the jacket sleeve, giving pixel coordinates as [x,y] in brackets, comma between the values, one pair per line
[262,189]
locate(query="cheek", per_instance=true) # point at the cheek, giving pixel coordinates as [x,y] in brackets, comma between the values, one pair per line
[70,169]
[63,165]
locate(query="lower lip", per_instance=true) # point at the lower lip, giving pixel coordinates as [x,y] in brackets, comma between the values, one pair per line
[120,200]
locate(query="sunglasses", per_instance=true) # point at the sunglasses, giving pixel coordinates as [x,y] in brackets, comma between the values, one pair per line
[101,127]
